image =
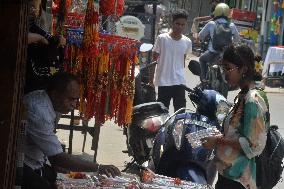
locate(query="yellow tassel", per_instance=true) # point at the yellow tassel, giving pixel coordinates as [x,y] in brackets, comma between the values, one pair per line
[136,59]
[128,114]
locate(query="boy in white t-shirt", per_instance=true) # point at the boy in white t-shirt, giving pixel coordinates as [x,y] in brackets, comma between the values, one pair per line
[170,51]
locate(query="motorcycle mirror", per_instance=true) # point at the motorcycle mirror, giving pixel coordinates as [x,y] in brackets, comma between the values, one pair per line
[145,47]
[194,67]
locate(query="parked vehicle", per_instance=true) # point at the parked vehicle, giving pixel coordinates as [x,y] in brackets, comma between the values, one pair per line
[175,154]
[147,116]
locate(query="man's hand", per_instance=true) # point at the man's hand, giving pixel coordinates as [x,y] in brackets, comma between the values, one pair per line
[108,170]
[36,38]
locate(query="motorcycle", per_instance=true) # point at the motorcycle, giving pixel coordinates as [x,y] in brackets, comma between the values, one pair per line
[147,118]
[178,151]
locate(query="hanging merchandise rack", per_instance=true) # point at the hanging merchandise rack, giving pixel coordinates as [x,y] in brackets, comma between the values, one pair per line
[104,64]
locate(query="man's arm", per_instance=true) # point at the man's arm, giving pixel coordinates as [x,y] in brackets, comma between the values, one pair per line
[71,163]
[236,34]
[75,164]
[155,57]
[205,31]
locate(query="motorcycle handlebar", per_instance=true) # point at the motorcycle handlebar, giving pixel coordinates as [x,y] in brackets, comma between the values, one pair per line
[194,94]
[188,89]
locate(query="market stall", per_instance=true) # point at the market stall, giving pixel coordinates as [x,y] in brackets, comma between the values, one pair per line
[147,180]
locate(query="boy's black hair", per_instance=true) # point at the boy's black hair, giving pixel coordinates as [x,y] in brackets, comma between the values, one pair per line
[179,13]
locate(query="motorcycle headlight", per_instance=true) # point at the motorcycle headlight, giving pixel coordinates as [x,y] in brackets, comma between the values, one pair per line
[153,124]
[222,111]
[178,132]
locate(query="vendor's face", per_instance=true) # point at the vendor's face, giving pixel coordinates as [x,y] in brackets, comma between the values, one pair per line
[232,73]
[179,25]
[68,100]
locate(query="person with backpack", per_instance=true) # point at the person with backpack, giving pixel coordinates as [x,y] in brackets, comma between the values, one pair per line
[245,127]
[221,32]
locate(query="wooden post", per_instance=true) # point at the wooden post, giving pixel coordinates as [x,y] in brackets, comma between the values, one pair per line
[70,147]
[95,140]
[13,37]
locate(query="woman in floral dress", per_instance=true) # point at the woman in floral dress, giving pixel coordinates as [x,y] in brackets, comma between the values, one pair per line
[244,135]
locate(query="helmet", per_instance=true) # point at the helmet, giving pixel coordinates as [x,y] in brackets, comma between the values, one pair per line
[222,9]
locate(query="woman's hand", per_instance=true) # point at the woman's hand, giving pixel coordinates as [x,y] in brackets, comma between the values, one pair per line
[108,170]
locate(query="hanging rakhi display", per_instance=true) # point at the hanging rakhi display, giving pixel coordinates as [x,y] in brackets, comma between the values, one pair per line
[89,62]
[111,7]
[122,82]
[276,20]
[114,83]
[105,65]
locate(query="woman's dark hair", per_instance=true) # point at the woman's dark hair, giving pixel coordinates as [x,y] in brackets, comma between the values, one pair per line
[242,56]
[59,81]
[180,13]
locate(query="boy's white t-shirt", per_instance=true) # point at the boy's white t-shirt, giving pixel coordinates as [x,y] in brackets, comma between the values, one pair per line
[170,68]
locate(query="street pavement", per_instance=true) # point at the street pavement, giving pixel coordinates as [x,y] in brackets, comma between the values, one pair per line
[112,141]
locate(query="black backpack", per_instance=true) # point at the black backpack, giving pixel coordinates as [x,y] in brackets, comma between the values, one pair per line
[269,165]
[222,36]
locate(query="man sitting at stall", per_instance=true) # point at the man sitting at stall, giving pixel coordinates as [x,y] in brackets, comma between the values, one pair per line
[44,108]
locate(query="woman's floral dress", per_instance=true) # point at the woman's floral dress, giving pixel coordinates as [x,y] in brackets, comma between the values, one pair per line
[247,122]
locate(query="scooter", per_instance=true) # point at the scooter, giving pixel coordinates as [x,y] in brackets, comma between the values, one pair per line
[178,150]
[147,118]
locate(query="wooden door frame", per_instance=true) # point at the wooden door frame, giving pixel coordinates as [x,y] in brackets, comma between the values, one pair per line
[13,37]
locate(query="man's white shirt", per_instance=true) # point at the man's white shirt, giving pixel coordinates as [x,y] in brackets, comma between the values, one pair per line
[40,141]
[170,67]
